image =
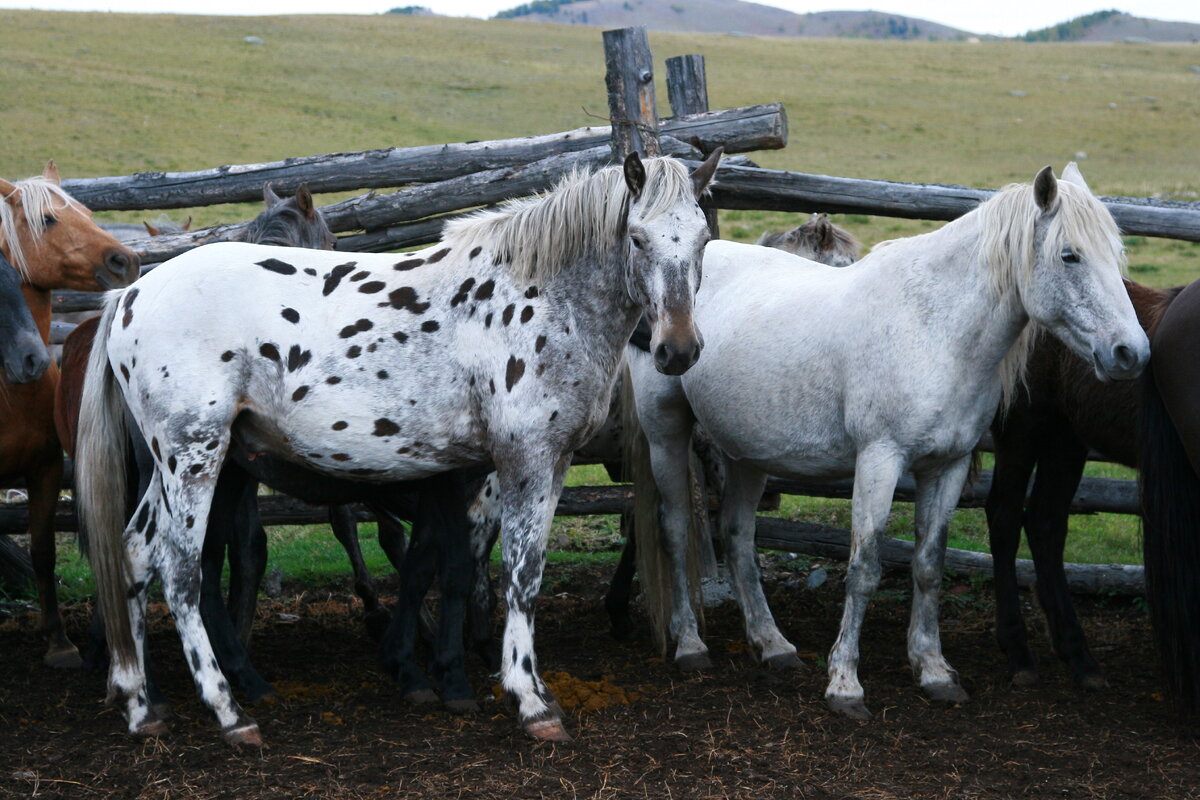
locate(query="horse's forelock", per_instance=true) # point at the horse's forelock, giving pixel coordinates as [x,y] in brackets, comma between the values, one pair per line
[1083,222]
[38,198]
[585,210]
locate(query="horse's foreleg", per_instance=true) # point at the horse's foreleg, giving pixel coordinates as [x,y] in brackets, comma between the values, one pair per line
[485,516]
[43,483]
[937,497]
[455,570]
[1060,469]
[1015,460]
[529,491]
[739,500]
[877,469]
[247,546]
[345,530]
[620,588]
[417,572]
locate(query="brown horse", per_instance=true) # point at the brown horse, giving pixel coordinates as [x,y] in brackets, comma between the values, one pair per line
[53,243]
[1169,433]
[1063,410]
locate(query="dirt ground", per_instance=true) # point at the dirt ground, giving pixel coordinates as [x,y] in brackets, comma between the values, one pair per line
[340,731]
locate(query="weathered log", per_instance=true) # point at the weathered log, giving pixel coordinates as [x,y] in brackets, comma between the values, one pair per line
[687,89]
[1094,495]
[834,543]
[738,130]
[629,76]
[777,190]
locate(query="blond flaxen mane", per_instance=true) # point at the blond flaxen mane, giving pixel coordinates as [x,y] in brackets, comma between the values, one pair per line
[1007,240]
[39,198]
[584,213]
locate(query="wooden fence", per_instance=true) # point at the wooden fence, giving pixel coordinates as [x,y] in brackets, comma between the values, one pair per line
[439,182]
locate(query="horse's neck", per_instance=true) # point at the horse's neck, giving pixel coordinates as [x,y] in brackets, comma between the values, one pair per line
[954,278]
[39,304]
[592,289]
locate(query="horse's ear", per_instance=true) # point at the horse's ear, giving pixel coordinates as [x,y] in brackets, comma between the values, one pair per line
[828,237]
[270,199]
[703,175]
[304,200]
[1045,188]
[150,229]
[187,225]
[6,189]
[635,173]
[1072,175]
[50,173]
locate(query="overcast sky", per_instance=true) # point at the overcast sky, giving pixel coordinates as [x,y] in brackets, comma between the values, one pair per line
[1007,17]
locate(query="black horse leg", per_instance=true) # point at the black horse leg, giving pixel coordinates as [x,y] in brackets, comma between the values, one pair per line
[246,543]
[227,521]
[345,529]
[620,588]
[454,581]
[1060,468]
[1015,458]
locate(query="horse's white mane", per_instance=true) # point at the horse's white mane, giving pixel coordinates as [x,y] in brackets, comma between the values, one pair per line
[536,236]
[37,199]
[1007,238]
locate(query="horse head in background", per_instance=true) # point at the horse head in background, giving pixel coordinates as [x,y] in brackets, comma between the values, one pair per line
[294,222]
[817,240]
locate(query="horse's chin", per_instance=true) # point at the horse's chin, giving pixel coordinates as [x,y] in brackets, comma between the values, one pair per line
[105,281]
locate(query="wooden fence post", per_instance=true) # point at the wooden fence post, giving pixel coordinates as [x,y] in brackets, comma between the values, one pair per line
[629,75]
[687,90]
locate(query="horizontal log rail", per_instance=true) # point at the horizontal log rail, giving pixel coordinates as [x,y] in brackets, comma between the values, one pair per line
[738,130]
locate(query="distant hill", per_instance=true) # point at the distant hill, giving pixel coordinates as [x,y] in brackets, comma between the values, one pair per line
[731,16]
[1116,26]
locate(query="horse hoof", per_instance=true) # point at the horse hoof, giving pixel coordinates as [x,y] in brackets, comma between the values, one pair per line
[950,693]
[243,734]
[1025,678]
[1093,682]
[784,662]
[851,707]
[461,705]
[421,697]
[621,626]
[65,658]
[547,730]
[694,662]
[160,711]
[264,694]
[377,623]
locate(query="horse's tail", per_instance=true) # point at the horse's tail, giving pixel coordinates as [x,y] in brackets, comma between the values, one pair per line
[653,566]
[100,487]
[1170,491]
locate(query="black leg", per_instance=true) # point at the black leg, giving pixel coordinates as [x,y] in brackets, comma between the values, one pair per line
[620,588]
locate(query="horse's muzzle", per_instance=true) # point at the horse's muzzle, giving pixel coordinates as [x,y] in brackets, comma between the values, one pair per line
[1123,361]
[120,267]
[675,356]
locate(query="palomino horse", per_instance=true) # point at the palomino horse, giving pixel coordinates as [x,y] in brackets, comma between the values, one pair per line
[897,362]
[22,350]
[1060,412]
[379,369]
[817,240]
[54,244]
[1169,423]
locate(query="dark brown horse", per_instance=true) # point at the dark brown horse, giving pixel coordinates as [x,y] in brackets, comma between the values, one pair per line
[1063,411]
[1170,481]
[54,244]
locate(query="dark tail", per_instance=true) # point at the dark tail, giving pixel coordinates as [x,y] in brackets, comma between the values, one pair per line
[1170,492]
[100,486]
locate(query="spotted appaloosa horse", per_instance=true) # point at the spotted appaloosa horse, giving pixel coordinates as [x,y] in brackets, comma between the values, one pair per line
[53,243]
[896,362]
[817,240]
[383,369]
[1060,412]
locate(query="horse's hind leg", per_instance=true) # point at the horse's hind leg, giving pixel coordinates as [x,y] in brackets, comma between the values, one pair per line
[43,483]
[345,530]
[1060,468]
[743,488]
[236,502]
[1005,502]
[877,470]
[454,581]
[484,514]
[620,588]
[937,497]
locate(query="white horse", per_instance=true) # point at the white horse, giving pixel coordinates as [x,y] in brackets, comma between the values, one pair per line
[895,363]
[500,344]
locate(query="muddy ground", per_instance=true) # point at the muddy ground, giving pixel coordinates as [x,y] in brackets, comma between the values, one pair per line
[340,731]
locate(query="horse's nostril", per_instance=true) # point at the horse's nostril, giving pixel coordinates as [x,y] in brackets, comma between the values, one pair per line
[1124,356]
[118,262]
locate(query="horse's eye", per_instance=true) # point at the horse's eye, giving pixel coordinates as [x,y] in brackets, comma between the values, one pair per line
[638,242]
[1069,256]
[49,221]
